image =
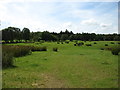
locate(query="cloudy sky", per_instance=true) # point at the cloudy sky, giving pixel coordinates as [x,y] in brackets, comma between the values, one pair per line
[92,17]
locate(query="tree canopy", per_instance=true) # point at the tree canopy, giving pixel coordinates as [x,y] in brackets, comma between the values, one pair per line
[13,33]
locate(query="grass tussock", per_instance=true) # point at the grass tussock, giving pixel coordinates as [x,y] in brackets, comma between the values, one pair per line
[88,44]
[55,49]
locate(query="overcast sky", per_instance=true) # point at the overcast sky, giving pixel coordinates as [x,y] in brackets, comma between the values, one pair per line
[54,16]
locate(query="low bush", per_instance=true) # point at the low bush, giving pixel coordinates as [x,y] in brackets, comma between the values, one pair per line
[19,51]
[58,42]
[115,50]
[7,59]
[79,44]
[118,42]
[61,42]
[16,50]
[101,48]
[11,51]
[37,48]
[43,48]
[55,49]
[67,41]
[112,43]
[88,44]
[106,44]
[75,45]
[95,43]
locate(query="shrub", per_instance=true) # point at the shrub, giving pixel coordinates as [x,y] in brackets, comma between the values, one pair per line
[118,42]
[101,48]
[74,44]
[58,43]
[43,48]
[112,43]
[7,59]
[61,42]
[19,51]
[95,43]
[10,51]
[106,44]
[37,48]
[88,45]
[55,49]
[67,41]
[115,51]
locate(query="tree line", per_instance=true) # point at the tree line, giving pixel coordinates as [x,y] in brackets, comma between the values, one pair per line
[13,34]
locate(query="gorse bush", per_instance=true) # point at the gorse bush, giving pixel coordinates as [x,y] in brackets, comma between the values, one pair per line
[115,50]
[61,42]
[7,59]
[75,45]
[112,43]
[88,44]
[118,42]
[55,49]
[58,42]
[106,44]
[79,44]
[67,41]
[17,50]
[101,48]
[10,51]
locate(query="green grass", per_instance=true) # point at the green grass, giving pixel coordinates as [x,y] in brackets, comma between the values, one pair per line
[72,66]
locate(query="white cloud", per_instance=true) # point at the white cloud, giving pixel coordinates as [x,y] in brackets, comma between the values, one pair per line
[105,25]
[67,25]
[47,17]
[89,22]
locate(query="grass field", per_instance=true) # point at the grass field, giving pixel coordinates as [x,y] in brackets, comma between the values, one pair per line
[70,67]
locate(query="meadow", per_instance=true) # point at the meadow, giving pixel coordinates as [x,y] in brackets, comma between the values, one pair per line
[64,66]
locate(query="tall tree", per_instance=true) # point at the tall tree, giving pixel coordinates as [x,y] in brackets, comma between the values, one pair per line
[26,34]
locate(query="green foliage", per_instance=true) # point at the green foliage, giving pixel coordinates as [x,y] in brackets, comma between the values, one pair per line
[95,43]
[64,37]
[115,50]
[73,67]
[7,59]
[26,34]
[10,51]
[58,42]
[101,48]
[67,41]
[106,44]
[118,42]
[38,48]
[112,42]
[62,43]
[75,44]
[88,44]
[55,49]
